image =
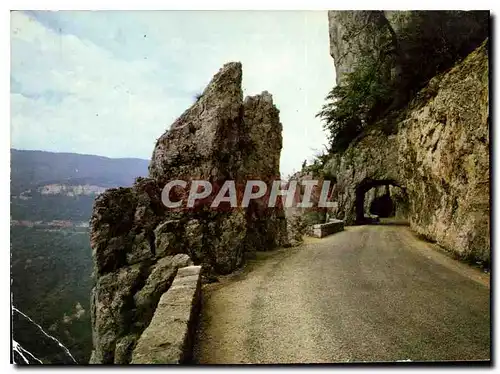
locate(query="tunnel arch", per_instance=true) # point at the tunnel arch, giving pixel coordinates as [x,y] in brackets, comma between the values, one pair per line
[363,187]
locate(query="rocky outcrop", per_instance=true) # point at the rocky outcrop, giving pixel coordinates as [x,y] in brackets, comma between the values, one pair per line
[402,39]
[267,227]
[138,244]
[221,137]
[122,304]
[438,156]
[354,33]
[207,139]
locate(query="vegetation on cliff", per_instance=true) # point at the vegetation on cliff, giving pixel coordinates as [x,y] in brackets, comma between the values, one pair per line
[396,55]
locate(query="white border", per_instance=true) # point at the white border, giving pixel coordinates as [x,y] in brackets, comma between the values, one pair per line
[248,5]
[185,4]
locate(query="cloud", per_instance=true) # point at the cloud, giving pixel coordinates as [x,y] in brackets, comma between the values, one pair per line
[110,83]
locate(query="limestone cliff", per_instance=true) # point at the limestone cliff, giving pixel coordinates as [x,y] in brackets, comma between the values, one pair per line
[445,161]
[138,244]
[353,33]
[414,45]
[438,154]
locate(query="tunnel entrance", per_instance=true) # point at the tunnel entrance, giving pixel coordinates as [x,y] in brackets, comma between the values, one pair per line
[382,206]
[383,198]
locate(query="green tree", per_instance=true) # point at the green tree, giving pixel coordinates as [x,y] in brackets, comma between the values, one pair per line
[354,104]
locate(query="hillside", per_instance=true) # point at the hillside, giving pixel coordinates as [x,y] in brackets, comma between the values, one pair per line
[51,201]
[34,168]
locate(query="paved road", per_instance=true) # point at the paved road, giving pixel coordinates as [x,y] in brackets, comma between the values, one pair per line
[370,293]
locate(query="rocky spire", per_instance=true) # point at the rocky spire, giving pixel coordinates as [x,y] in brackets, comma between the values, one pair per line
[138,244]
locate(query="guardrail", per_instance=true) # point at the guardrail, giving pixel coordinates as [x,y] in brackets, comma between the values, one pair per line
[324,229]
[169,337]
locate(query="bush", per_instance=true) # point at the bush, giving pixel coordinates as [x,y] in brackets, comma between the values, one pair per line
[351,106]
[317,165]
[197,96]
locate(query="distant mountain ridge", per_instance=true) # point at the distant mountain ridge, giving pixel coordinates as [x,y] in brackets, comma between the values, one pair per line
[47,186]
[34,168]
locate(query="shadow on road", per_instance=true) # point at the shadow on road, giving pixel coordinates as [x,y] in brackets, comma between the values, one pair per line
[393,222]
[383,222]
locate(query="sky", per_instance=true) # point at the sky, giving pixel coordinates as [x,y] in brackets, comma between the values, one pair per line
[111,82]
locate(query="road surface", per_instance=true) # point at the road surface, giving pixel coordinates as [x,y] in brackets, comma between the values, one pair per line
[370,293]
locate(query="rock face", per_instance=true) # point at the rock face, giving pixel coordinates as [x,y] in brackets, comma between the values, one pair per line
[351,34]
[438,156]
[444,159]
[205,140]
[387,35]
[222,137]
[138,243]
[301,219]
[123,303]
[266,227]
[371,162]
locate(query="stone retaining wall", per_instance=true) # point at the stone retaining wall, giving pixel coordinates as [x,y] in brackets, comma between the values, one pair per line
[169,337]
[323,229]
